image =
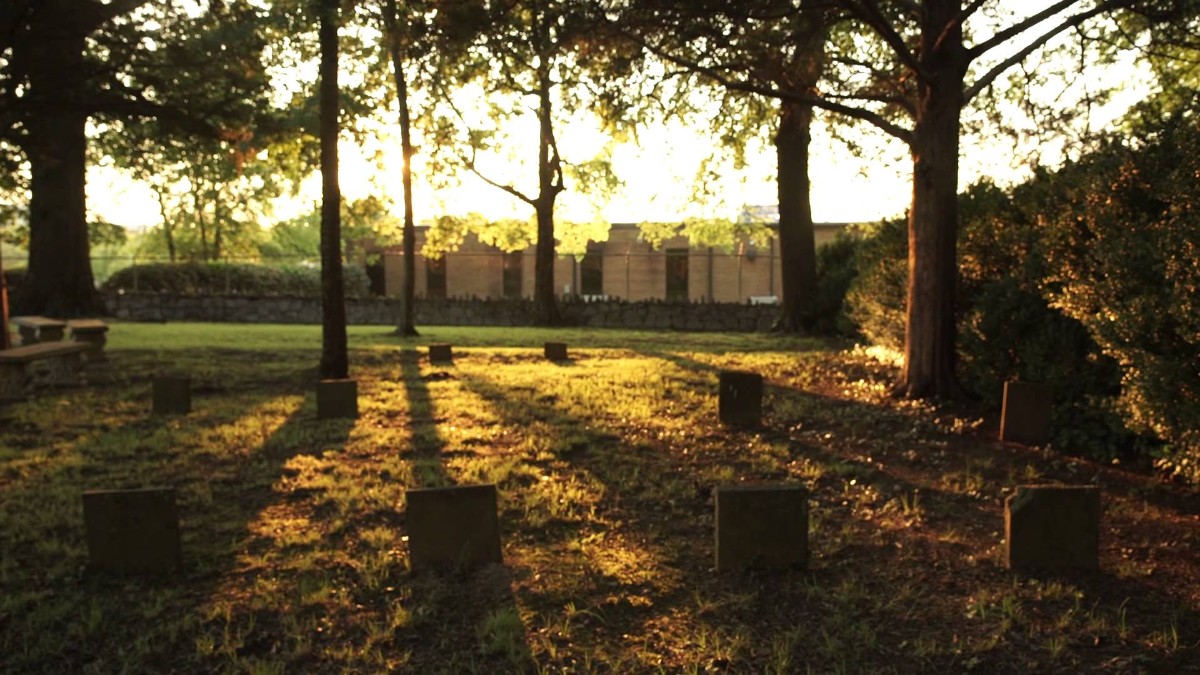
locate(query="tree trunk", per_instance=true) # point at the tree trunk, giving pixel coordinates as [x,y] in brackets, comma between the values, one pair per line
[59,278]
[217,225]
[797,249]
[168,228]
[407,325]
[544,301]
[929,341]
[334,360]
[5,337]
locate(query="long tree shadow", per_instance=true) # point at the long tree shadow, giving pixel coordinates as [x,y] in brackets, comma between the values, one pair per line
[882,547]
[454,603]
[226,461]
[428,446]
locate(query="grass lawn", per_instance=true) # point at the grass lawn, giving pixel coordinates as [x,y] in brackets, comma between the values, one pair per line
[296,558]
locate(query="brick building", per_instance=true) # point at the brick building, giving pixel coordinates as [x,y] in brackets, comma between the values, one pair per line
[623,267]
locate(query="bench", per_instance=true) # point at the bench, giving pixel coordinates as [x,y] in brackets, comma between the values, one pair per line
[35,329]
[93,333]
[63,365]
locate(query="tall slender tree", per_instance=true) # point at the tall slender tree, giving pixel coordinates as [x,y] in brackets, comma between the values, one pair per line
[781,44]
[334,359]
[399,55]
[550,59]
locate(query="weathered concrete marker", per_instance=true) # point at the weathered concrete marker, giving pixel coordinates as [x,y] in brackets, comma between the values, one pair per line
[337,399]
[172,395]
[132,530]
[441,352]
[739,401]
[1025,416]
[556,351]
[1052,527]
[92,332]
[453,526]
[761,526]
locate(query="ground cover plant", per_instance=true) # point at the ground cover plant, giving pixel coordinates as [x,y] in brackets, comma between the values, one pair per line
[294,528]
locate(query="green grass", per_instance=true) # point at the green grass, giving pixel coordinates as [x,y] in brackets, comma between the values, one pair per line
[295,541]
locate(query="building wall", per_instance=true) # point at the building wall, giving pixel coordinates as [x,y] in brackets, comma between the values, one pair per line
[631,271]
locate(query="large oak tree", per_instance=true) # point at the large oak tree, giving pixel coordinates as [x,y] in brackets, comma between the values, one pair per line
[64,63]
[912,70]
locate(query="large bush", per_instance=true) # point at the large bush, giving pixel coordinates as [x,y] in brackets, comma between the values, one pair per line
[875,299]
[201,278]
[836,270]
[1007,328]
[1126,259]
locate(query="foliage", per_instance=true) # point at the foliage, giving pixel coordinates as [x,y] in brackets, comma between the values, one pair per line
[719,233]
[837,267]
[1125,260]
[218,278]
[365,222]
[875,299]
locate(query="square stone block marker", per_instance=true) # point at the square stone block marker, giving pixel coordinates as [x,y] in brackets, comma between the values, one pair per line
[453,526]
[556,351]
[1025,416]
[761,526]
[440,352]
[172,395]
[337,399]
[739,401]
[92,332]
[1052,527]
[132,530]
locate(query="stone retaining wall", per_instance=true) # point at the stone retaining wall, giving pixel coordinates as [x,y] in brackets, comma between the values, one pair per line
[383,311]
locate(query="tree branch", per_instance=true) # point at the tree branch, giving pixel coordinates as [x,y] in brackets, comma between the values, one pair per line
[96,14]
[875,119]
[957,22]
[1021,26]
[868,11]
[501,186]
[987,78]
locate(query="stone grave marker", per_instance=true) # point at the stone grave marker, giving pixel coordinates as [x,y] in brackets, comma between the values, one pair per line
[132,530]
[761,526]
[1052,527]
[172,395]
[556,351]
[440,352]
[739,401]
[1025,416]
[337,399]
[92,332]
[453,526]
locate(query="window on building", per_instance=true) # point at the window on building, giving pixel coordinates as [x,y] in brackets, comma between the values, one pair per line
[435,277]
[512,274]
[591,271]
[677,274]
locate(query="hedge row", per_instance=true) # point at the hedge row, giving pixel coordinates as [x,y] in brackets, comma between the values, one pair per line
[206,278]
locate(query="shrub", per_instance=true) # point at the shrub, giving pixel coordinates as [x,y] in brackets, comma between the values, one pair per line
[876,297]
[1126,269]
[836,269]
[200,278]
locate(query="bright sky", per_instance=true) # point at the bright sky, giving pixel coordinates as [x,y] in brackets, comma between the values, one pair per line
[658,175]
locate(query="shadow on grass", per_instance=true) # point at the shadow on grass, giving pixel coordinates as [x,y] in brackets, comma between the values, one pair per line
[458,606]
[428,446]
[878,566]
